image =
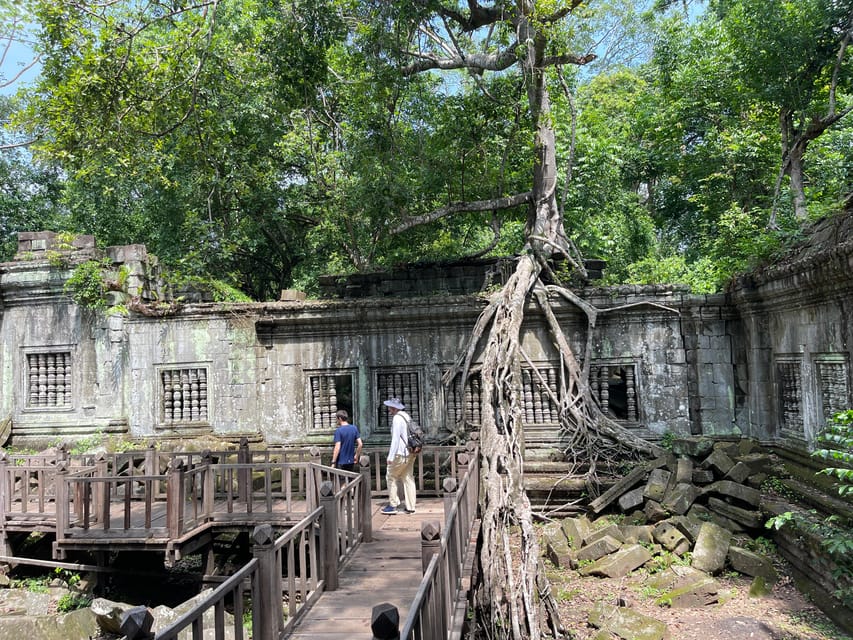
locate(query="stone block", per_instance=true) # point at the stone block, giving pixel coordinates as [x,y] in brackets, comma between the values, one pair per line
[702,591]
[619,564]
[631,500]
[632,534]
[756,480]
[598,549]
[703,476]
[739,473]
[735,490]
[679,500]
[758,462]
[670,538]
[292,295]
[626,623]
[654,511]
[684,471]
[559,552]
[576,531]
[718,462]
[695,447]
[711,548]
[656,486]
[746,517]
[611,530]
[688,526]
[751,564]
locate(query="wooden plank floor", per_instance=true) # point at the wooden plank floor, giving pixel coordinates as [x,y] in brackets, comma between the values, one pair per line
[388,569]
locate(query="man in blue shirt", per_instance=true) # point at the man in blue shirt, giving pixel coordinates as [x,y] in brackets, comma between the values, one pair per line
[347,443]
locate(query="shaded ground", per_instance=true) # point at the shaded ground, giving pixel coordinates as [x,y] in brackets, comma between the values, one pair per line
[783,614]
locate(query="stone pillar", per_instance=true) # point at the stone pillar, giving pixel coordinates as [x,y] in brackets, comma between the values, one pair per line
[366,504]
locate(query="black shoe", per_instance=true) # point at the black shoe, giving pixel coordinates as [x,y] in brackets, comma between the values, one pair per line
[408,512]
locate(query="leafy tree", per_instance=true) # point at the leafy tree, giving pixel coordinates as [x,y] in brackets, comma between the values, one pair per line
[793,56]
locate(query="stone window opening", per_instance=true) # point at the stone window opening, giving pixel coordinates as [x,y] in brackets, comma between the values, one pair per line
[183,395]
[790,396]
[539,408]
[330,392]
[404,385]
[467,407]
[615,388]
[49,383]
[832,378]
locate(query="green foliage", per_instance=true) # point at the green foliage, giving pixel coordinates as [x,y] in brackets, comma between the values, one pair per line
[835,533]
[838,440]
[73,601]
[667,440]
[87,285]
[33,585]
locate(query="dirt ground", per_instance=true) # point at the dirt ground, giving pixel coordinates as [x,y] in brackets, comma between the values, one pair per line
[784,614]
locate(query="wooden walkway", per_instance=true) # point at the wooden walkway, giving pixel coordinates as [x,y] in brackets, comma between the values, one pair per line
[388,569]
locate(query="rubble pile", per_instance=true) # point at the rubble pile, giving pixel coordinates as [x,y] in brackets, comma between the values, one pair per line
[693,512]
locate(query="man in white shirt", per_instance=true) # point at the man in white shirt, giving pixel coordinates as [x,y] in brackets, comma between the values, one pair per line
[401,461]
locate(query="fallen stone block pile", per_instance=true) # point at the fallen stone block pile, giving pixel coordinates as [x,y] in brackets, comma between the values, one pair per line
[686,517]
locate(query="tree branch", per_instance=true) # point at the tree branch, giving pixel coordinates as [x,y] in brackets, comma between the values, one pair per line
[477,61]
[458,207]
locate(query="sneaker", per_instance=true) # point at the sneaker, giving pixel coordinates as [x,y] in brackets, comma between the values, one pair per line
[389,510]
[408,512]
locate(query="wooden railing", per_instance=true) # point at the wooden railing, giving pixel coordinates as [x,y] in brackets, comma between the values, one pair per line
[288,573]
[440,605]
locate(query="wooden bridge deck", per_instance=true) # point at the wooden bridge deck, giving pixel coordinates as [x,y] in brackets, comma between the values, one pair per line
[388,569]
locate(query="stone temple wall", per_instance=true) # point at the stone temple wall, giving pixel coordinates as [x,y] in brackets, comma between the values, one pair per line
[663,360]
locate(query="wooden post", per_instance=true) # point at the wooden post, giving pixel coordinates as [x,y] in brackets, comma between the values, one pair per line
[430,541]
[61,506]
[5,504]
[366,504]
[208,487]
[385,622]
[329,535]
[175,498]
[450,485]
[266,625]
[243,473]
[98,489]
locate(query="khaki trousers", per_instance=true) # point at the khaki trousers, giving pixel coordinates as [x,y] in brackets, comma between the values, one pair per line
[401,472]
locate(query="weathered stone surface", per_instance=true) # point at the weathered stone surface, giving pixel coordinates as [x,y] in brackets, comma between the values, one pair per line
[688,526]
[611,530]
[637,533]
[631,500]
[758,462]
[751,519]
[626,623]
[654,511]
[109,614]
[599,548]
[718,462]
[711,548]
[739,473]
[619,564]
[576,530]
[559,551]
[703,476]
[76,625]
[695,447]
[679,500]
[684,471]
[656,486]
[671,538]
[699,592]
[735,490]
[634,477]
[751,564]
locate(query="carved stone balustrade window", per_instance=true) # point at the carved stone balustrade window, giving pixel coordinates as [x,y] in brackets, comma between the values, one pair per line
[184,395]
[330,391]
[49,383]
[402,384]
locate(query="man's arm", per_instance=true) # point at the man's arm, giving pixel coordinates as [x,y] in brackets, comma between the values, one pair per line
[358,445]
[336,452]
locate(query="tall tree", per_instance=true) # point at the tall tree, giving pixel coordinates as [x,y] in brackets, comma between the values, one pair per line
[527,40]
[795,55]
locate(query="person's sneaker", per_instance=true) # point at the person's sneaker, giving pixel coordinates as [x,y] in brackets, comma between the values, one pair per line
[389,510]
[408,512]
